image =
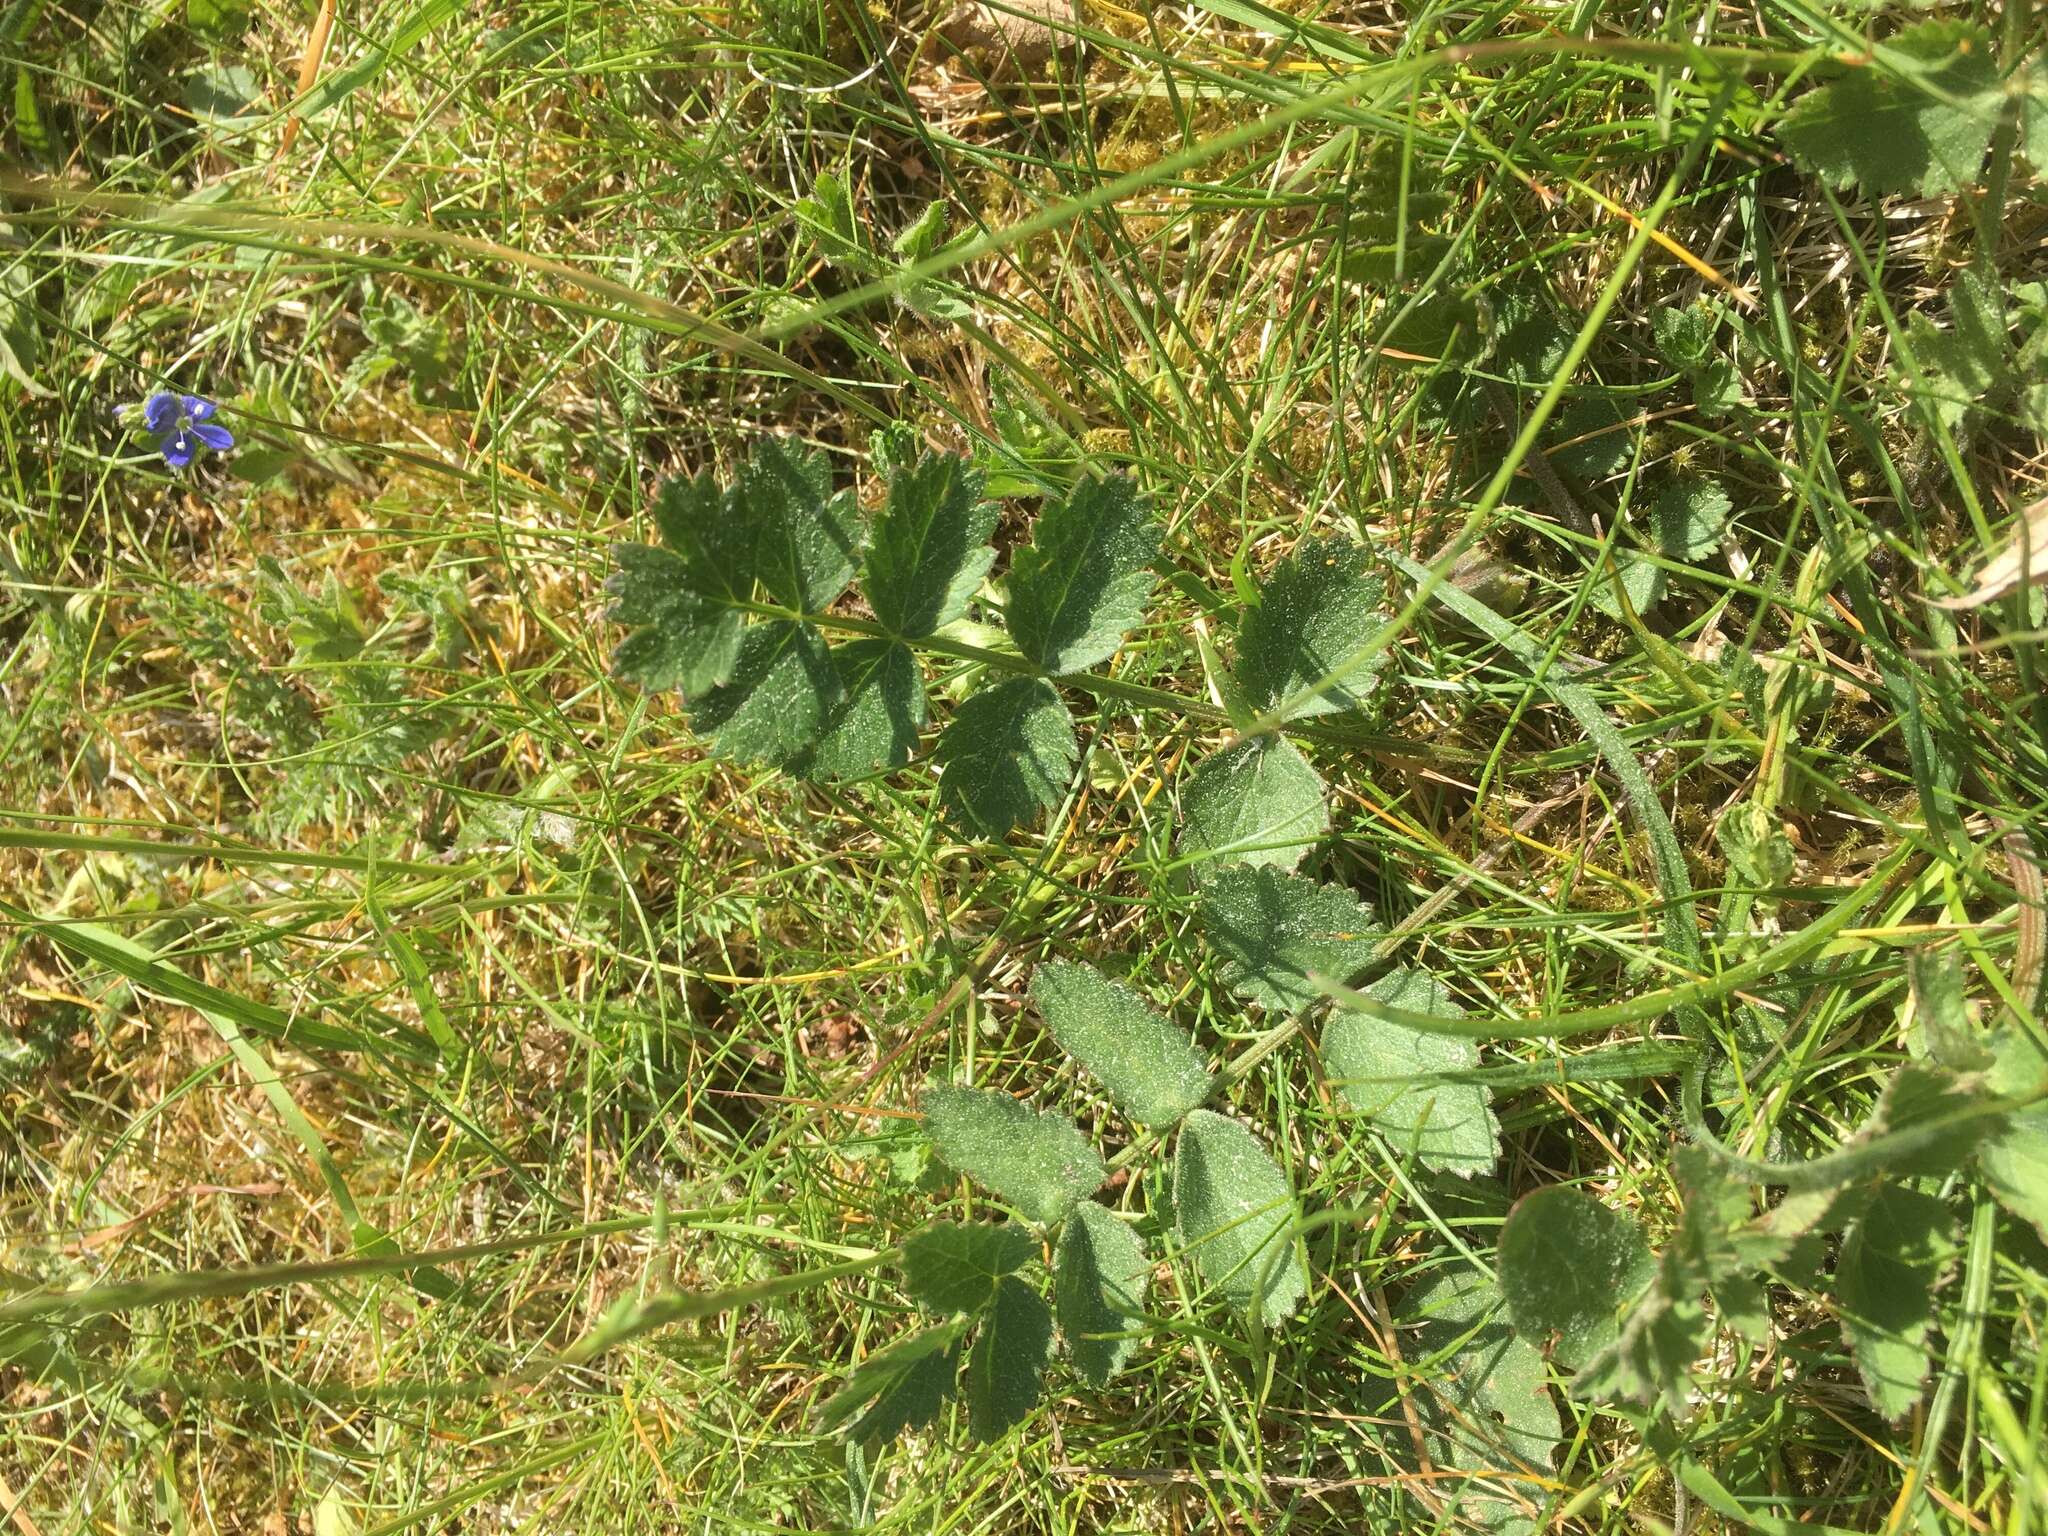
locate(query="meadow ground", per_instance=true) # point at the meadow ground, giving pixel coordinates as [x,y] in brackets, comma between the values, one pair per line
[357,908]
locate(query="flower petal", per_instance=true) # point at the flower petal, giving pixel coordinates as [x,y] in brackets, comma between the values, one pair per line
[216,437]
[159,411]
[178,449]
[198,408]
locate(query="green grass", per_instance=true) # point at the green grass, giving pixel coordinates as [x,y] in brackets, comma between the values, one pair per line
[640,1022]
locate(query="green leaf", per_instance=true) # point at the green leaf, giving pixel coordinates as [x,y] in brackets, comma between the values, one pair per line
[1273,929]
[951,1267]
[1258,802]
[1969,362]
[806,539]
[1007,755]
[1689,517]
[826,216]
[1891,1260]
[1487,1402]
[930,546]
[2014,1160]
[1640,578]
[1753,841]
[897,1388]
[1448,1126]
[1234,1210]
[1316,609]
[1098,1282]
[1083,583]
[1596,438]
[1568,1265]
[21,342]
[1037,1160]
[782,691]
[1010,1354]
[1915,118]
[1655,1349]
[1144,1061]
[880,712]
[1717,388]
[687,641]
[702,523]
[1684,335]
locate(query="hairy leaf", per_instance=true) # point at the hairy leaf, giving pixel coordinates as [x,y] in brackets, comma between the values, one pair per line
[1146,1062]
[1689,516]
[1891,1259]
[1487,1400]
[1915,118]
[1317,608]
[1273,929]
[779,698]
[1098,1281]
[1082,584]
[1568,1265]
[686,639]
[2014,1160]
[806,540]
[1971,361]
[1235,1213]
[1006,756]
[930,546]
[1009,1356]
[897,1388]
[880,711]
[951,1267]
[1258,802]
[1037,1160]
[1448,1126]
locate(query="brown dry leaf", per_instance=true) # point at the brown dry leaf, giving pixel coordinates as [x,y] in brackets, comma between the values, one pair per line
[2023,562]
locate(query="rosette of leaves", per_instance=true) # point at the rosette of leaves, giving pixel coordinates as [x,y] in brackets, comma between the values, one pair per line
[734,609]
[994,1334]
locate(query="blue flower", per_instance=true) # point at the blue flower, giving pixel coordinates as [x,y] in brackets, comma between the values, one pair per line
[182,425]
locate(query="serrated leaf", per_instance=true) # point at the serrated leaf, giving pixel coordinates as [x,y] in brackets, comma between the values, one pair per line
[1753,841]
[1689,517]
[1038,1160]
[954,1267]
[1315,610]
[929,550]
[1273,929]
[1596,438]
[1641,579]
[1234,1211]
[2014,1159]
[1258,802]
[1684,335]
[1098,1281]
[782,691]
[1969,361]
[1917,117]
[1010,1354]
[700,522]
[827,217]
[1007,756]
[1144,1061]
[1890,1262]
[1487,1401]
[806,539]
[1448,1126]
[1568,1266]
[880,712]
[1654,1351]
[897,1388]
[687,641]
[1083,583]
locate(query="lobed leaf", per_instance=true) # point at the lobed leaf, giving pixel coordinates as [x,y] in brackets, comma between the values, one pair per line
[685,640]
[1258,802]
[1568,1266]
[880,712]
[780,696]
[929,550]
[806,539]
[1234,1211]
[1273,929]
[1317,608]
[1891,1260]
[1083,582]
[954,1267]
[1449,1126]
[1488,1401]
[1037,1160]
[1146,1063]
[1009,1357]
[1098,1281]
[897,1388]
[1916,117]
[1006,756]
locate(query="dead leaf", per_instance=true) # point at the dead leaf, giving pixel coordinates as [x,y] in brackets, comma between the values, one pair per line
[2023,562]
